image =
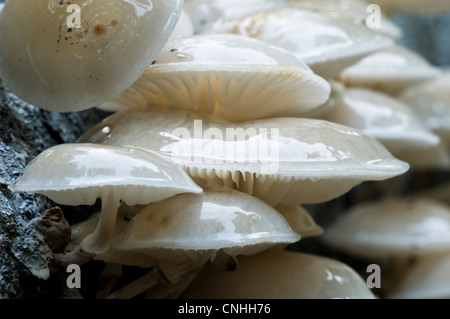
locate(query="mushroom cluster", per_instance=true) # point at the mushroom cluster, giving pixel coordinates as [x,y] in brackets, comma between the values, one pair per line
[226,124]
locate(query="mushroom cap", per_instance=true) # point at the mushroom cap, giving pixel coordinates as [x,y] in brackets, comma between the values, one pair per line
[75,174]
[232,76]
[430,100]
[326,44]
[286,161]
[279,274]
[385,118]
[392,228]
[358,10]
[205,12]
[52,65]
[390,71]
[190,224]
[427,278]
[300,220]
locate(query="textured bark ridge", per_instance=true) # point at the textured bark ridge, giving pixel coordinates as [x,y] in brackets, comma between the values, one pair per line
[25,131]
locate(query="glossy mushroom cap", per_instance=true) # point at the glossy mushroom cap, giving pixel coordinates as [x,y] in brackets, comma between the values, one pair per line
[235,77]
[392,228]
[430,100]
[428,278]
[360,11]
[389,71]
[286,161]
[74,174]
[189,225]
[78,174]
[57,66]
[279,274]
[326,44]
[385,118]
[205,12]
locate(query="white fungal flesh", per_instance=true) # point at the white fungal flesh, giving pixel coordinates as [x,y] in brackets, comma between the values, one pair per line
[279,274]
[392,228]
[281,160]
[385,118]
[205,12]
[189,225]
[326,44]
[78,174]
[74,174]
[430,100]
[235,77]
[59,67]
[390,71]
[426,279]
[360,11]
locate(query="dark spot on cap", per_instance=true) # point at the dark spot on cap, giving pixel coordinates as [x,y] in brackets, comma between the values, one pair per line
[99,29]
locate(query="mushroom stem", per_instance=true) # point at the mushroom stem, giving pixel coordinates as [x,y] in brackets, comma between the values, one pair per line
[99,241]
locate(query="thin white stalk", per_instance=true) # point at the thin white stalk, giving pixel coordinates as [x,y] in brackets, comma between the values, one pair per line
[99,241]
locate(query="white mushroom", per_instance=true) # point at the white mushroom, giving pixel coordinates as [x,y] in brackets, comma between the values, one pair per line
[183,232]
[326,44]
[360,11]
[205,12]
[431,102]
[392,229]
[385,118]
[286,161]
[428,278]
[390,71]
[235,77]
[191,226]
[78,174]
[73,55]
[279,274]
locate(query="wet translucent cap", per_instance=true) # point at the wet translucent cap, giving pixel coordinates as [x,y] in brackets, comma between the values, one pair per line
[326,44]
[390,71]
[278,274]
[281,160]
[392,228]
[235,77]
[185,225]
[385,118]
[52,59]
